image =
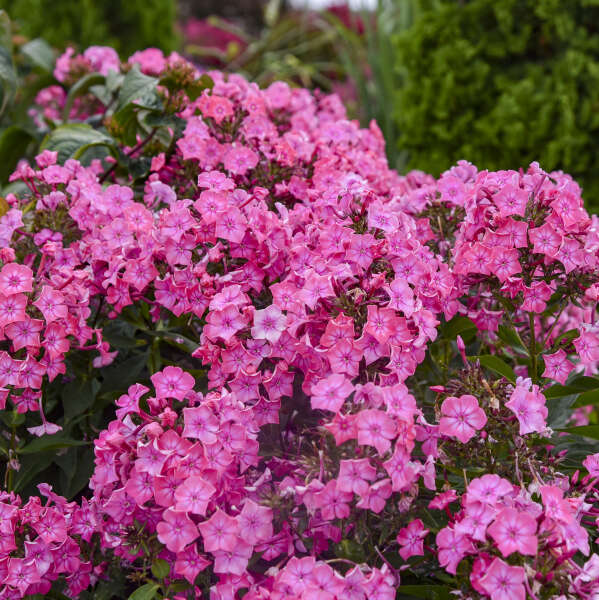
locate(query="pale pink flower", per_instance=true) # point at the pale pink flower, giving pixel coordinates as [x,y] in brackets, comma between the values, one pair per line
[461,417]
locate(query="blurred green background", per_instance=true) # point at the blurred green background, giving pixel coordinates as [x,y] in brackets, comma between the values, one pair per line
[498,82]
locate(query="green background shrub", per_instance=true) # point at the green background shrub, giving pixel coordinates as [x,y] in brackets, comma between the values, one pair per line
[127,25]
[502,83]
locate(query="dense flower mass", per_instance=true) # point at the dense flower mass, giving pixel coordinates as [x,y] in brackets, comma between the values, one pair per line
[318,422]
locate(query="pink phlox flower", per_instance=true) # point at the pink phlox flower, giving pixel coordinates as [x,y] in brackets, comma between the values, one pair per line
[504,582]
[511,201]
[15,279]
[255,523]
[557,366]
[452,548]
[477,517]
[333,503]
[376,428]
[189,563]
[176,530]
[220,532]
[442,500]
[194,495]
[411,539]
[172,382]
[376,496]
[461,417]
[514,531]
[528,404]
[355,475]
[591,464]
[330,393]
[488,489]
[269,323]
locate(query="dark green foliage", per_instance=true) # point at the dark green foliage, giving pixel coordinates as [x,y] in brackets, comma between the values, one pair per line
[502,84]
[127,25]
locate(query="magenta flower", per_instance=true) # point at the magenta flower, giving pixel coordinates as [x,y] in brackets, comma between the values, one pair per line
[15,279]
[234,561]
[511,201]
[504,582]
[591,464]
[453,547]
[172,382]
[355,475]
[200,424]
[330,393]
[269,323]
[176,530]
[220,532]
[194,495]
[514,531]
[189,563]
[375,428]
[51,304]
[557,366]
[411,539]
[529,406]
[461,417]
[488,489]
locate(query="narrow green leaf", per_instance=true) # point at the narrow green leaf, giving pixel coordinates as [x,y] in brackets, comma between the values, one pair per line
[586,399]
[145,592]
[511,337]
[496,364]
[430,592]
[160,568]
[14,141]
[78,395]
[31,465]
[50,442]
[576,386]
[40,53]
[590,431]
[456,326]
[8,79]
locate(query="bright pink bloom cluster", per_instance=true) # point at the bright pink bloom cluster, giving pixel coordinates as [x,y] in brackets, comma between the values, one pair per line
[311,280]
[40,543]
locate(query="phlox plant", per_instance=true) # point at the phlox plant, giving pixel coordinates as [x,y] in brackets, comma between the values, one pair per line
[291,372]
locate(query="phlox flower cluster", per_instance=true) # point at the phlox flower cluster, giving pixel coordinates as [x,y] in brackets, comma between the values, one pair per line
[42,540]
[312,281]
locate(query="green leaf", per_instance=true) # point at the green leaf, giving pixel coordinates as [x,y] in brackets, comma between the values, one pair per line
[511,337]
[50,442]
[496,364]
[14,141]
[31,465]
[586,399]
[40,53]
[8,76]
[73,139]
[80,88]
[5,30]
[139,89]
[78,396]
[456,326]
[160,568]
[430,592]
[576,386]
[145,592]
[120,375]
[590,431]
[568,336]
